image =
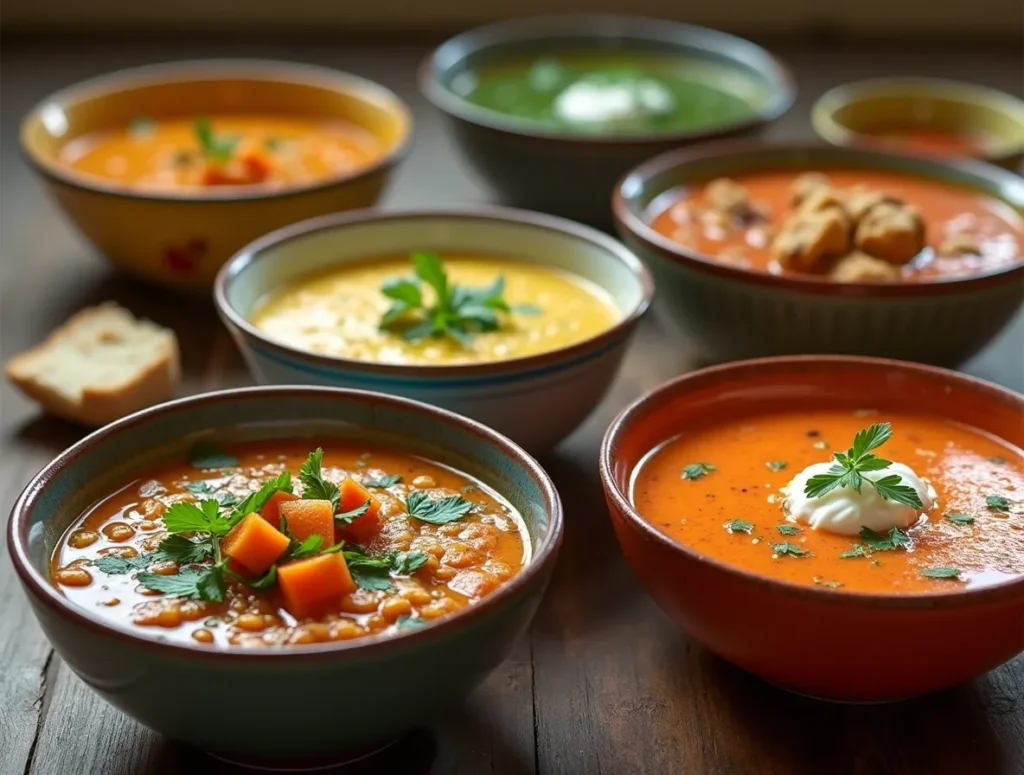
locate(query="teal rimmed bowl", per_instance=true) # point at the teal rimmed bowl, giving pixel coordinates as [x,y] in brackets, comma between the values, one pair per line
[340,697]
[733,313]
[535,400]
[572,173]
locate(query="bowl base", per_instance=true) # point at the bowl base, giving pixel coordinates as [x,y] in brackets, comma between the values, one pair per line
[303,764]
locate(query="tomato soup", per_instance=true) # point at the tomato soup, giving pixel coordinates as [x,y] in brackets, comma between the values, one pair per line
[723,491]
[935,142]
[345,311]
[241,150]
[845,225]
[271,545]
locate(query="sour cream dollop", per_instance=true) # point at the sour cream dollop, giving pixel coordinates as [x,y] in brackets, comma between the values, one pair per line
[846,511]
[612,101]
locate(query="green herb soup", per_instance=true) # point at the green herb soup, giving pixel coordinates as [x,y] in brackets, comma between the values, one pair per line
[631,93]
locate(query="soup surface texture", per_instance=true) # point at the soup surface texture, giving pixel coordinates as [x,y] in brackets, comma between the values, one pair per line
[421,541]
[339,313]
[936,142]
[719,490]
[229,150]
[847,225]
[603,93]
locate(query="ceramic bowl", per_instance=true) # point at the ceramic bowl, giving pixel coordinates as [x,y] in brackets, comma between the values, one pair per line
[566,173]
[818,641]
[354,693]
[181,239]
[848,114]
[536,400]
[730,312]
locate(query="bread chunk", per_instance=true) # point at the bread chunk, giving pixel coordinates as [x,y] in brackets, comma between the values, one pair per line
[805,185]
[102,364]
[858,267]
[808,239]
[891,232]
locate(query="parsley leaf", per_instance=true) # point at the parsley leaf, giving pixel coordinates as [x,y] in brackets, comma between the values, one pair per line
[436,512]
[372,573]
[739,526]
[205,585]
[849,467]
[257,500]
[307,548]
[314,486]
[790,549]
[115,565]
[264,582]
[407,563]
[958,518]
[207,455]
[941,573]
[997,503]
[410,622]
[189,518]
[776,465]
[183,551]
[788,530]
[202,487]
[857,550]
[384,482]
[878,542]
[350,516]
[215,148]
[697,470]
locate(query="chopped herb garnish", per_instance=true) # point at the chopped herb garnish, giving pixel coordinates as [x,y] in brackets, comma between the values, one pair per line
[407,563]
[468,488]
[182,550]
[877,563]
[207,584]
[776,465]
[885,542]
[410,622]
[350,516]
[458,311]
[941,573]
[189,518]
[202,487]
[215,148]
[857,550]
[372,573]
[790,549]
[314,486]
[437,512]
[207,455]
[958,518]
[254,502]
[697,470]
[849,468]
[788,530]
[115,565]
[739,526]
[825,583]
[997,503]
[182,158]
[383,482]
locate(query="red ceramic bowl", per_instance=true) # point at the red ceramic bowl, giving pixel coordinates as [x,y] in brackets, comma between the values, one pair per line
[821,642]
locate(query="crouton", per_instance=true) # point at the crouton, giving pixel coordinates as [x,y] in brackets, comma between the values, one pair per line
[858,267]
[891,232]
[807,239]
[807,184]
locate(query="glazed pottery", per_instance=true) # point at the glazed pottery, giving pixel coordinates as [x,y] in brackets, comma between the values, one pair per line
[823,642]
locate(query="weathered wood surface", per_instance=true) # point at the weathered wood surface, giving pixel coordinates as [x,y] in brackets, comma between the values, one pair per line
[604,683]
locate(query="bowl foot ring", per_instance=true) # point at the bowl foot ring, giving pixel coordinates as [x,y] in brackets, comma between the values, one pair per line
[312,764]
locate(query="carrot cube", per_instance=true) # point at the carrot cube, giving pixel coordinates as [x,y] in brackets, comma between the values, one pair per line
[363,529]
[309,585]
[254,544]
[271,510]
[307,518]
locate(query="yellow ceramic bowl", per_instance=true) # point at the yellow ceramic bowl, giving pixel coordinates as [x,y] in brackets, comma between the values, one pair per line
[181,239]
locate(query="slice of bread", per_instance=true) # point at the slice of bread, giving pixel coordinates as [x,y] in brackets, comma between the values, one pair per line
[100,365]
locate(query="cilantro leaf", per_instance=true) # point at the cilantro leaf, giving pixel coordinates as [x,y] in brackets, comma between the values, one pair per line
[696,470]
[437,512]
[205,585]
[405,294]
[115,565]
[264,582]
[739,526]
[776,465]
[350,516]
[997,503]
[184,551]
[788,530]
[878,542]
[314,486]
[790,549]
[383,482]
[372,573]
[215,148]
[207,455]
[958,518]
[407,563]
[307,548]
[941,573]
[189,518]
[257,500]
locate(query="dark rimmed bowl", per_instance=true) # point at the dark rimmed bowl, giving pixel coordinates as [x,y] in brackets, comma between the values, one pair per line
[180,239]
[295,701]
[572,174]
[826,643]
[851,113]
[535,400]
[731,313]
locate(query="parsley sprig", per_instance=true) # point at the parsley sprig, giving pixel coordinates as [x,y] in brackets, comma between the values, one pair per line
[458,311]
[215,148]
[849,468]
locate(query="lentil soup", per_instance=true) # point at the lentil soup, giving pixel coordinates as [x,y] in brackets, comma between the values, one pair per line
[269,545]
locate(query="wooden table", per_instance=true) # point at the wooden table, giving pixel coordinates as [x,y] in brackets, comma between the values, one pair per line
[603,683]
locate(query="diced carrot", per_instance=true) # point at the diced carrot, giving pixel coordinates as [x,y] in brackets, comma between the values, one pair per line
[256,165]
[309,585]
[271,511]
[254,543]
[308,518]
[248,168]
[363,529]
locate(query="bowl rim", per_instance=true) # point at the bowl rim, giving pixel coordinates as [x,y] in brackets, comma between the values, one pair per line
[40,588]
[848,95]
[628,221]
[782,84]
[252,252]
[636,411]
[195,70]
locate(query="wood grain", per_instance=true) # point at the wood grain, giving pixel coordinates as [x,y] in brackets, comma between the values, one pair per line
[603,683]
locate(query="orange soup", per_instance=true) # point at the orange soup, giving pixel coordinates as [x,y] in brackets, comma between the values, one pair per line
[230,150]
[724,490]
[845,225]
[929,141]
[271,545]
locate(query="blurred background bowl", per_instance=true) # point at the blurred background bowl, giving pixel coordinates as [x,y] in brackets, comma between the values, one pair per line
[730,312]
[863,112]
[535,400]
[181,239]
[569,173]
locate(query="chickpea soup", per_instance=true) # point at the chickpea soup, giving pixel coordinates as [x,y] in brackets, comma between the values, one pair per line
[271,545]
[915,505]
[461,309]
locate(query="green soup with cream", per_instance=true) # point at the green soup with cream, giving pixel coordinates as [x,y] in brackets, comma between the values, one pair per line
[625,93]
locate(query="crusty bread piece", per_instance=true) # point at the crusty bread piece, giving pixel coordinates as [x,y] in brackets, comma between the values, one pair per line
[100,365]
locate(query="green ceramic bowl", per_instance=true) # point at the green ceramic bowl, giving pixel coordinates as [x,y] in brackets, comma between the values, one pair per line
[852,113]
[295,702]
[532,165]
[732,313]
